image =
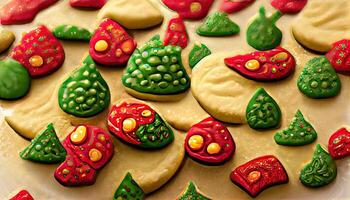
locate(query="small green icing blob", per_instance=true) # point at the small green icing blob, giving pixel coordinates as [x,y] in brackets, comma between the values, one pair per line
[318,79]
[45,148]
[129,190]
[14,80]
[262,33]
[300,132]
[156,69]
[321,171]
[262,111]
[198,52]
[218,24]
[71,32]
[84,93]
[191,193]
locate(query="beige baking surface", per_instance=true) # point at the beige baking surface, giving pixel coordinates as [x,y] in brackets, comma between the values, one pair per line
[325,115]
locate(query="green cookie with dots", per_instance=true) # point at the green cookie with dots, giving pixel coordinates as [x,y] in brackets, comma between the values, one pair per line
[84,93]
[198,52]
[318,79]
[218,24]
[71,32]
[191,193]
[129,190]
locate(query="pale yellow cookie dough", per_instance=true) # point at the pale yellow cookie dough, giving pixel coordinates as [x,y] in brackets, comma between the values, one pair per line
[6,39]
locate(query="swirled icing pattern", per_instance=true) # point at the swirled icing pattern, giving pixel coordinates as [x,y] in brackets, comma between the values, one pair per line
[218,24]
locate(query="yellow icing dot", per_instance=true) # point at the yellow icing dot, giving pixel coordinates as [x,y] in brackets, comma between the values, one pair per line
[195,142]
[213,148]
[118,53]
[101,137]
[280,56]
[252,65]
[127,46]
[79,135]
[101,45]
[196,7]
[146,113]
[254,176]
[95,155]
[129,124]
[36,61]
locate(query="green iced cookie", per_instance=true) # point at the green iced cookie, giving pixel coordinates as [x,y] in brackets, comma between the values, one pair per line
[198,52]
[129,190]
[262,111]
[84,93]
[191,193]
[318,79]
[70,32]
[218,24]
[45,148]
[300,132]
[14,80]
[262,33]
[321,171]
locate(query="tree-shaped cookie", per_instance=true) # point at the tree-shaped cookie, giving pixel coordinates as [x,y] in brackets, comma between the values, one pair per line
[93,4]
[129,189]
[198,52]
[192,193]
[321,171]
[318,79]
[71,32]
[176,33]
[45,148]
[339,56]
[218,24]
[190,9]
[262,33]
[84,93]
[300,132]
[339,144]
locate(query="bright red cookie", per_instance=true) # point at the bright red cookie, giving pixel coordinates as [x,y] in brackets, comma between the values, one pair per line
[111,44]
[190,9]
[231,6]
[271,65]
[176,33]
[22,11]
[259,174]
[339,56]
[94,4]
[22,195]
[209,142]
[39,51]
[289,6]
[339,144]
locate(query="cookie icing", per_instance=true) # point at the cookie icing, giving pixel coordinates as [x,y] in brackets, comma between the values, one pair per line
[94,4]
[22,195]
[129,189]
[338,56]
[339,144]
[192,193]
[218,24]
[289,6]
[232,6]
[71,32]
[176,33]
[190,9]
[198,52]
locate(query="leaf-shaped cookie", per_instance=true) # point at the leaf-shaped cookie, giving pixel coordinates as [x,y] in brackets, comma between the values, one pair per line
[198,52]
[218,24]
[192,193]
[71,32]
[129,189]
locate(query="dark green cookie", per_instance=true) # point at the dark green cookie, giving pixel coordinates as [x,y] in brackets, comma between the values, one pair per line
[71,32]
[262,33]
[198,52]
[262,111]
[191,193]
[321,171]
[218,24]
[129,190]
[84,93]
[14,80]
[318,79]
[156,69]
[45,148]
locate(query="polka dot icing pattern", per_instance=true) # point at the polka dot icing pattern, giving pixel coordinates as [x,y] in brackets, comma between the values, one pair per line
[339,144]
[231,6]
[192,193]
[95,4]
[339,56]
[218,24]
[198,52]
[71,32]
[190,9]
[22,195]
[176,33]
[289,6]
[129,189]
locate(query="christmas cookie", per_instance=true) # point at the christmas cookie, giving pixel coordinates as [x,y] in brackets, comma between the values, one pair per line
[321,171]
[190,9]
[6,39]
[259,174]
[45,148]
[218,24]
[176,33]
[289,6]
[39,51]
[129,189]
[71,32]
[262,33]
[209,142]
[262,111]
[132,14]
[271,65]
[22,195]
[138,124]
[198,52]
[84,93]
[192,193]
[300,132]
[318,79]
[339,144]
[338,56]
[94,4]
[231,6]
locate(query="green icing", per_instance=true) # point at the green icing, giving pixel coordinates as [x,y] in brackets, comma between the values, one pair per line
[262,33]
[321,171]
[300,132]
[129,190]
[70,32]
[262,111]
[45,148]
[84,93]
[198,52]
[191,193]
[14,80]
[156,69]
[318,79]
[218,24]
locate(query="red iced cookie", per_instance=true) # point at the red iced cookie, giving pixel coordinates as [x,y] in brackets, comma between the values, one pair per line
[190,9]
[111,44]
[176,33]
[39,51]
[289,6]
[95,4]
[22,195]
[22,11]
[339,144]
[231,6]
[275,64]
[339,56]
[209,142]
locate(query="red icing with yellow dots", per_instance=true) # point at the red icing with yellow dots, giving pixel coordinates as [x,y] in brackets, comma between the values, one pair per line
[95,4]
[190,9]
[231,6]
[176,33]
[339,144]
[22,195]
[339,56]
[272,65]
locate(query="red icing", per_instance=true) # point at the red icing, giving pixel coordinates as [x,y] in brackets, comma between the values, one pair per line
[289,6]
[231,6]
[39,42]
[22,11]
[339,144]
[176,33]
[96,4]
[183,7]
[271,69]
[212,131]
[339,56]
[271,173]
[22,195]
